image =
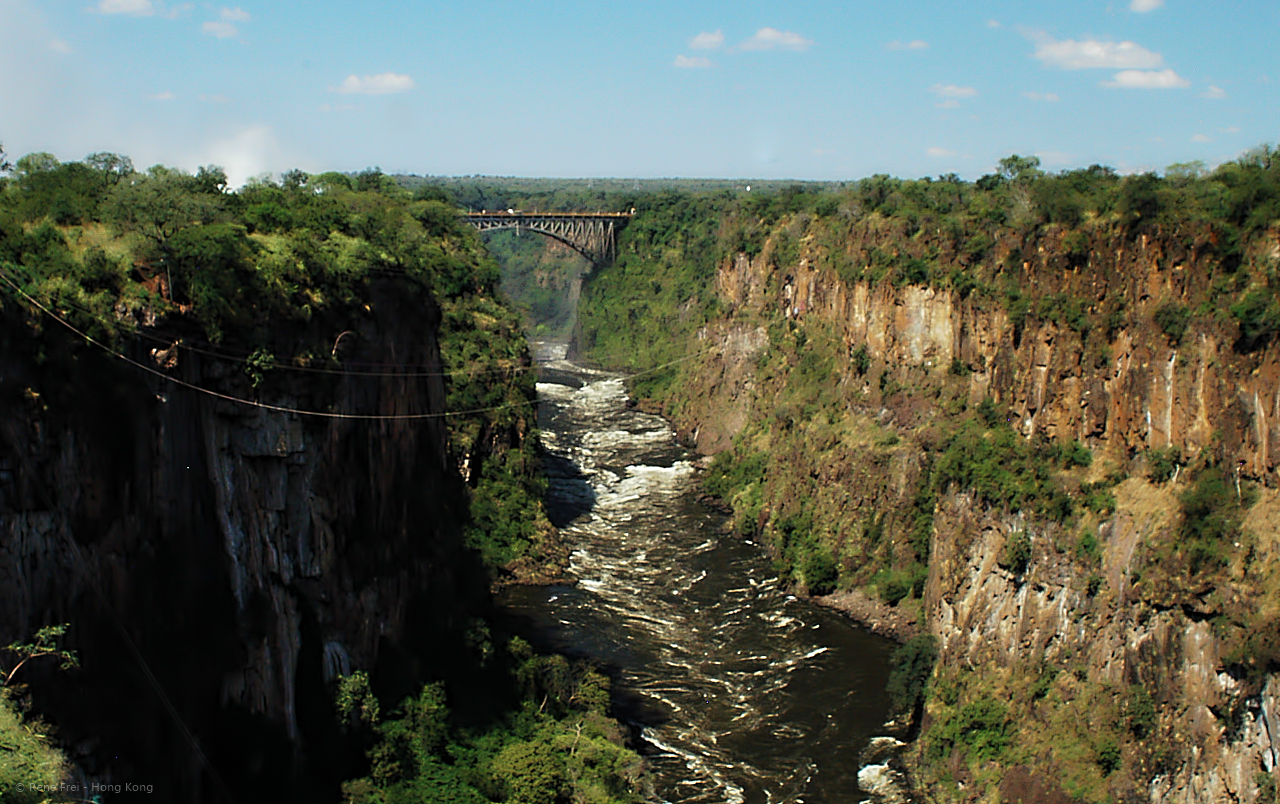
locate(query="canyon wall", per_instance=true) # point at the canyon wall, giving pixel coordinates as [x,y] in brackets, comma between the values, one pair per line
[220,563]
[1105,614]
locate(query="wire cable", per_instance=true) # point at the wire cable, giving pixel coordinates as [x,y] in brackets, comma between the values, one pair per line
[249,402]
[512,370]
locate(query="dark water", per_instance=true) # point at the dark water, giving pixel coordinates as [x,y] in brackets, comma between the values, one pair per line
[742,693]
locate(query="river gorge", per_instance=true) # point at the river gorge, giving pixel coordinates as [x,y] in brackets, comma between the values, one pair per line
[740,692]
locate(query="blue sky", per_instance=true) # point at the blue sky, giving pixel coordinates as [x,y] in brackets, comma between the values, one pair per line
[819,90]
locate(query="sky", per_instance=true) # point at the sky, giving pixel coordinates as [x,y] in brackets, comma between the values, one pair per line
[829,90]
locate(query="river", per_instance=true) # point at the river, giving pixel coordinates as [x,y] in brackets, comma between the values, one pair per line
[739,691]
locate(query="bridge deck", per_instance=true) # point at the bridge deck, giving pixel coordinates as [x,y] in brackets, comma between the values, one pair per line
[591,234]
[519,214]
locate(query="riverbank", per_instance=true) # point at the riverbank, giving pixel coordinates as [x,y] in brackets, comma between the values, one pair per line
[877,617]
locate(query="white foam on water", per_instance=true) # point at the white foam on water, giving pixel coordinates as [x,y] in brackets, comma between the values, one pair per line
[733,794]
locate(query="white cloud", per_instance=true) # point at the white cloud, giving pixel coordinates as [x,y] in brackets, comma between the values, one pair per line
[1055,157]
[1046,97]
[994,24]
[337,107]
[939,152]
[1230,130]
[220,29]
[1069,54]
[1143,6]
[246,154]
[60,46]
[692,62]
[177,11]
[952,91]
[1202,138]
[224,27]
[773,39]
[1147,79]
[380,84]
[1214,93]
[162,96]
[914,44]
[950,103]
[137,8]
[707,41]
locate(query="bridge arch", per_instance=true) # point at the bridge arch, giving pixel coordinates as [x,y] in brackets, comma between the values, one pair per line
[593,235]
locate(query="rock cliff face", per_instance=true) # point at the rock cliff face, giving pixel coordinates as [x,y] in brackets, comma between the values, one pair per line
[1141,392]
[1121,392]
[221,562]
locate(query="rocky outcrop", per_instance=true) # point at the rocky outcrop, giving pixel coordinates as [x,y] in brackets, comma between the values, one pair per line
[1217,730]
[221,562]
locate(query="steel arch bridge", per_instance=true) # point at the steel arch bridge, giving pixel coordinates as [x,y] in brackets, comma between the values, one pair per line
[594,235]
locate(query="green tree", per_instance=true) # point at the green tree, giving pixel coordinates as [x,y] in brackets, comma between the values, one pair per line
[27,758]
[114,167]
[912,665]
[1024,169]
[355,701]
[161,204]
[532,772]
[45,646]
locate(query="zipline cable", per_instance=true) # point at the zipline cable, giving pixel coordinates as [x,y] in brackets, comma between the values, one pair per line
[346,372]
[240,400]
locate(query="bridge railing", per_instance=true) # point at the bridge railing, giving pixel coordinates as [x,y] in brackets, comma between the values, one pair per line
[591,234]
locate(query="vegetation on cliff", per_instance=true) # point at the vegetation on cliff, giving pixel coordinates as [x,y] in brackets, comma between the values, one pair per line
[835,454]
[32,769]
[268,292]
[265,277]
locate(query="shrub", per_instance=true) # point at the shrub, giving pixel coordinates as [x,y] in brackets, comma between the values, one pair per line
[1098,498]
[1000,468]
[731,472]
[1173,318]
[912,664]
[532,773]
[981,726]
[27,756]
[1088,547]
[1044,681]
[1211,518]
[820,572]
[1258,314]
[861,359]
[1075,244]
[977,246]
[1109,756]
[1162,463]
[1267,790]
[1140,712]
[1093,585]
[1016,555]
[893,589]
